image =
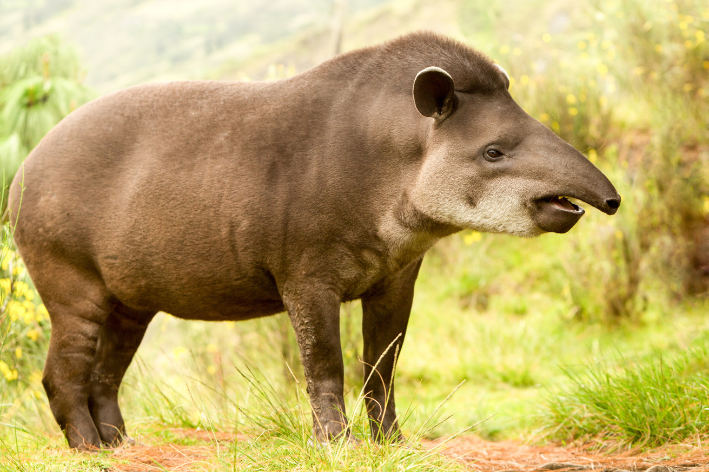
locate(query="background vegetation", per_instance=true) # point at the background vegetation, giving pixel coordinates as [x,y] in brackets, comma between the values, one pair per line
[597,335]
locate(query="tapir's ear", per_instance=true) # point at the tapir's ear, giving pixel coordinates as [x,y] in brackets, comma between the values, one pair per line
[505,75]
[434,93]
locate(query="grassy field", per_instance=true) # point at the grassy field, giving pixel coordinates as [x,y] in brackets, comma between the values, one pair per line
[599,336]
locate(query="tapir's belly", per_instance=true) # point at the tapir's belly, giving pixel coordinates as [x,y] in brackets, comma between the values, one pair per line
[199,266]
[201,289]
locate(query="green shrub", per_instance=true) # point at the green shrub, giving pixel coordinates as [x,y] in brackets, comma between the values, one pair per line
[40,84]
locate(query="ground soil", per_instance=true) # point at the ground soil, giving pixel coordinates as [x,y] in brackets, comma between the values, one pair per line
[479,454]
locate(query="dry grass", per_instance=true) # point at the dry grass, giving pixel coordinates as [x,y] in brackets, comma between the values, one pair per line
[487,456]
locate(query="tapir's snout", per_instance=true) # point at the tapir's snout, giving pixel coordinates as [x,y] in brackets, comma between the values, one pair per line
[611,205]
[569,174]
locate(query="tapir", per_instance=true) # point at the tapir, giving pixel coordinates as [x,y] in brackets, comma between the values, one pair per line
[217,200]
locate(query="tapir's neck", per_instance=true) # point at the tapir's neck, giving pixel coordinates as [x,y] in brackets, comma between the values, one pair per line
[409,233]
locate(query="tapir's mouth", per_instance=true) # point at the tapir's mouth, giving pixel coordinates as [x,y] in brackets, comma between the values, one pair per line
[563,204]
[556,213]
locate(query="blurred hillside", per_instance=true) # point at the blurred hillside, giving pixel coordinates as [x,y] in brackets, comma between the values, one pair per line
[125,42]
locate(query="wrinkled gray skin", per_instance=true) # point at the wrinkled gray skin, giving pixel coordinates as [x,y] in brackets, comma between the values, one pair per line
[230,201]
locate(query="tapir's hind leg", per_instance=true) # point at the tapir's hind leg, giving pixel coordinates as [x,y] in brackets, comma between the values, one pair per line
[78,305]
[118,341]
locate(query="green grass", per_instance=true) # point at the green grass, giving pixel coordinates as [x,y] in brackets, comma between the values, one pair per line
[648,402]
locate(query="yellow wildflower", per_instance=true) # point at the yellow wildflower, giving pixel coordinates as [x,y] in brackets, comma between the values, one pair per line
[555,126]
[602,69]
[9,255]
[688,44]
[619,235]
[573,111]
[544,117]
[687,87]
[16,311]
[211,347]
[581,44]
[9,374]
[524,80]
[602,100]
[21,288]
[570,99]
[472,237]
[546,37]
[658,47]
[5,285]
[32,334]
[504,49]
[705,64]
[592,155]
[683,25]
[18,352]
[639,70]
[211,369]
[700,35]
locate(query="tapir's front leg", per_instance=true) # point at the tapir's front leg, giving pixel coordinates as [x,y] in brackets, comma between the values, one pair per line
[314,311]
[385,315]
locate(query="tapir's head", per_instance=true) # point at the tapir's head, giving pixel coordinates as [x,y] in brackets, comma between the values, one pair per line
[490,166]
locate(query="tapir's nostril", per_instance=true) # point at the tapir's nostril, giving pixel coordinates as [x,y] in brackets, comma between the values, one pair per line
[613,203]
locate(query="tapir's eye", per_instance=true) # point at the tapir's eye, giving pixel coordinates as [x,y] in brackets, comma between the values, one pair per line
[493,155]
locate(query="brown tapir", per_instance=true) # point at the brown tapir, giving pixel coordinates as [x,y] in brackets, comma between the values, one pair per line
[231,201]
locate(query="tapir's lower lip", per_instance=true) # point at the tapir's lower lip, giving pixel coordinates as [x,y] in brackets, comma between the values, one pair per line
[556,214]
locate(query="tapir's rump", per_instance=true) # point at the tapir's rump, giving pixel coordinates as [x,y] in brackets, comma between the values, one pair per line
[229,201]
